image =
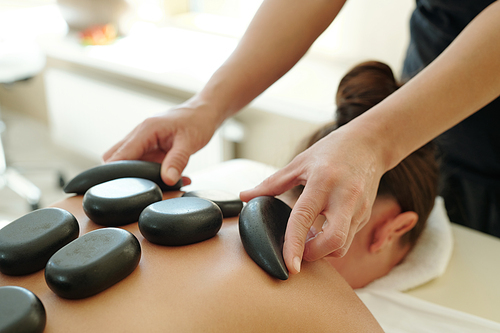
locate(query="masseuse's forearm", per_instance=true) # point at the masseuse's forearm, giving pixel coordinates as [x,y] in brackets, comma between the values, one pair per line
[279,35]
[464,78]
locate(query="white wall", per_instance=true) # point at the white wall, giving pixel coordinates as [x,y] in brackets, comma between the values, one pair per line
[369,29]
[89,115]
[365,29]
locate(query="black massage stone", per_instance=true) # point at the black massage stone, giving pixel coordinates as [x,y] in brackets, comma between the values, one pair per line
[93,263]
[20,311]
[27,243]
[229,204]
[120,201]
[262,225]
[119,169]
[180,221]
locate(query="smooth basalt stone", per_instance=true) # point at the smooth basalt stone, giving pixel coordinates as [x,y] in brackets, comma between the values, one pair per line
[93,263]
[229,204]
[119,169]
[180,221]
[21,311]
[120,201]
[27,243]
[262,225]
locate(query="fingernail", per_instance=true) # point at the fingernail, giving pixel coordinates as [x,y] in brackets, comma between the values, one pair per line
[296,264]
[173,174]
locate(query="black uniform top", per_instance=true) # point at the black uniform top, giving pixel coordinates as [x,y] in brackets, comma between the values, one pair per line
[471,149]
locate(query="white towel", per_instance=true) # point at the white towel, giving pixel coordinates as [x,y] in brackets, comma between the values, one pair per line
[398,312]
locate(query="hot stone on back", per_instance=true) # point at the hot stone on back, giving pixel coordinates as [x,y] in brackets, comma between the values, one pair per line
[229,203]
[180,221]
[21,311]
[262,225]
[119,169]
[27,243]
[120,201]
[93,263]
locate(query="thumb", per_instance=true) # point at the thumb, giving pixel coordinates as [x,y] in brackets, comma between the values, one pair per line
[174,163]
[304,212]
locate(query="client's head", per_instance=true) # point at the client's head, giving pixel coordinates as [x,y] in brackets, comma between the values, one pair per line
[405,195]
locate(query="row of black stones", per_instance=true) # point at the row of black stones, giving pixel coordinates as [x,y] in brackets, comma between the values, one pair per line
[192,218]
[189,219]
[27,244]
[48,238]
[171,222]
[119,169]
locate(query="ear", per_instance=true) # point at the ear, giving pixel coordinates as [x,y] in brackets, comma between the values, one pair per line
[392,229]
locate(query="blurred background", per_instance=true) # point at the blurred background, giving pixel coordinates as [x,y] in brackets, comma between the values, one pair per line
[77,75]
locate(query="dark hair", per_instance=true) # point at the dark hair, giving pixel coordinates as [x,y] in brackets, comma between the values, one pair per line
[413,182]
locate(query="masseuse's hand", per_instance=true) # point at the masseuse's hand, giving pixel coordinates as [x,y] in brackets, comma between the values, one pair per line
[169,138]
[341,175]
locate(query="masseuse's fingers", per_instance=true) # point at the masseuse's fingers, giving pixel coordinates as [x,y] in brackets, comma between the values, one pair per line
[116,153]
[349,215]
[346,211]
[175,161]
[111,151]
[304,212]
[156,140]
[340,174]
[316,199]
[169,138]
[309,205]
[143,139]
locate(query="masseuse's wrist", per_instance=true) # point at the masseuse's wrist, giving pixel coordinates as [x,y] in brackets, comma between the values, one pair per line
[378,145]
[212,111]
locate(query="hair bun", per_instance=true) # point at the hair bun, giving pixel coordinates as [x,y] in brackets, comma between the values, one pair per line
[363,87]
